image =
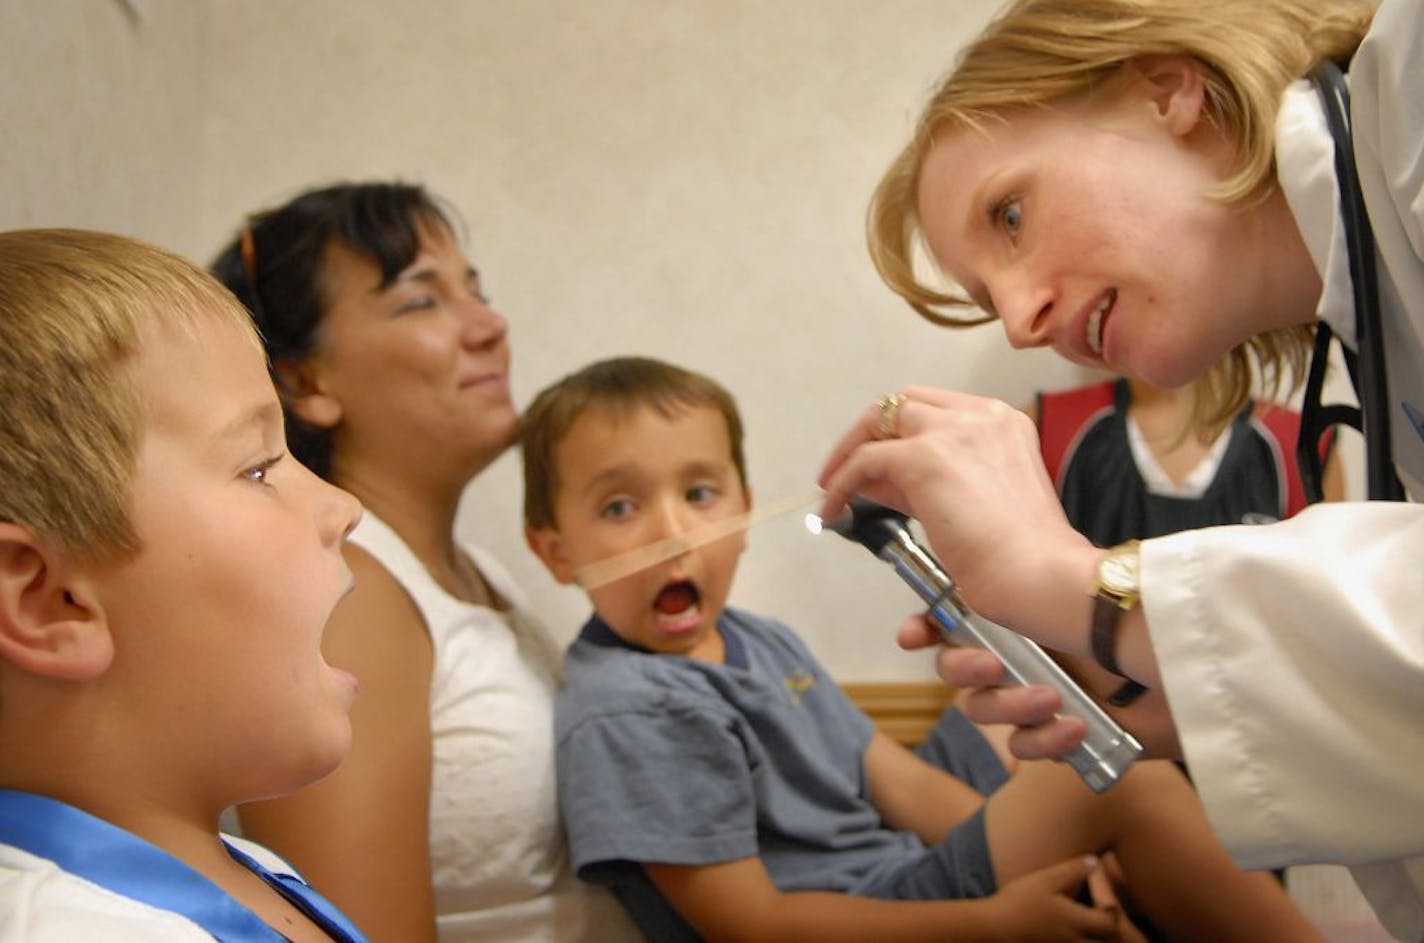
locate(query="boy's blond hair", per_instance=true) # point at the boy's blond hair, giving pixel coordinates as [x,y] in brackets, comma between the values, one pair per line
[1037,52]
[617,386]
[75,309]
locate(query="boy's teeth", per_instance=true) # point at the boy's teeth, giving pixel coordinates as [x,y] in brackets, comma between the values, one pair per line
[690,610]
[1095,324]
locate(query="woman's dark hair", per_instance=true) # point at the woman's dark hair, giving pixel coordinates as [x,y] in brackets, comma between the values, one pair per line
[274,266]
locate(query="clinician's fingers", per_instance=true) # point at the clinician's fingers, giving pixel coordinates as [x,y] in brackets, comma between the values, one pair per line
[1049,741]
[864,471]
[1021,706]
[967,667]
[916,632]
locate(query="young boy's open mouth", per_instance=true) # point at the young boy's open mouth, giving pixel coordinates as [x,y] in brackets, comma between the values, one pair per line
[677,607]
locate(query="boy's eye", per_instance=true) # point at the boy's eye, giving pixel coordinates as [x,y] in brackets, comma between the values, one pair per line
[259,473]
[417,304]
[702,494]
[616,509]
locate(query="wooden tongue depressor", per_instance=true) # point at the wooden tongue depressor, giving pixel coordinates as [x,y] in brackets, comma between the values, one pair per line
[607,571]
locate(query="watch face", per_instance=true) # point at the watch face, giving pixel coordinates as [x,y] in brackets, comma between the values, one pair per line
[1119,573]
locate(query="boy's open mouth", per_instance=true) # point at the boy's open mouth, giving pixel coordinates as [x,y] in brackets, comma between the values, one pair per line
[676,604]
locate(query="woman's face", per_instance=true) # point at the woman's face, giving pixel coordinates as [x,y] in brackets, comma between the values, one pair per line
[1087,228]
[417,371]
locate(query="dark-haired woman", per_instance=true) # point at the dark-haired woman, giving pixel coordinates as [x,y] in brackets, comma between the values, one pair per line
[394,372]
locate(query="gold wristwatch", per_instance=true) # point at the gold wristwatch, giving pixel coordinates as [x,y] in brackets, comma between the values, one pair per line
[1117,590]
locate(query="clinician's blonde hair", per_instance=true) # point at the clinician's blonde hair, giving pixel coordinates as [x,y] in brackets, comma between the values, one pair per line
[75,309]
[1038,52]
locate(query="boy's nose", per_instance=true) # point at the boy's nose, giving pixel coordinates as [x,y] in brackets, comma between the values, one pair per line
[669,521]
[338,512]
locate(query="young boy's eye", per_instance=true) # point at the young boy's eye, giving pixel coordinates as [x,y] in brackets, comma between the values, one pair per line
[422,303]
[616,509]
[702,494]
[259,473]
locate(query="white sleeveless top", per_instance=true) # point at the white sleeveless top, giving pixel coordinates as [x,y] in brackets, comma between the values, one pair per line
[497,855]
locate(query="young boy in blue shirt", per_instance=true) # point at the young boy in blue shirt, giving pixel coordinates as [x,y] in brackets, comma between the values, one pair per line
[713,774]
[166,572]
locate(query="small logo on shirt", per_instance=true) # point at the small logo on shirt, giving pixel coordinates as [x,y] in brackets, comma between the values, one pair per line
[798,683]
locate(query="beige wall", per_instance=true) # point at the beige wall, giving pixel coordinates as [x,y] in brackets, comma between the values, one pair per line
[680,178]
[101,106]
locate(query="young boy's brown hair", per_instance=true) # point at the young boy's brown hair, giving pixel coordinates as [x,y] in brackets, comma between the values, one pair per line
[617,386]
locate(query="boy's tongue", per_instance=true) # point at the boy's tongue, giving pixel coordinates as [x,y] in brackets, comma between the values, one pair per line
[675,598]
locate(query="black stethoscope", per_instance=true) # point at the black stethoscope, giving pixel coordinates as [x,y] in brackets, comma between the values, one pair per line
[1367,365]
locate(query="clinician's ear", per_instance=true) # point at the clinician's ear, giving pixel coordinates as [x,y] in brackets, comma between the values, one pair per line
[549,548]
[301,387]
[51,623]
[1176,87]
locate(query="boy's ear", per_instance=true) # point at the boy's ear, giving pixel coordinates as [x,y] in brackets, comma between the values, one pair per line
[51,623]
[1176,88]
[302,389]
[548,546]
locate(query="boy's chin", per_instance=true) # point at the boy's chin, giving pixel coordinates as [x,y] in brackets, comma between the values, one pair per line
[319,761]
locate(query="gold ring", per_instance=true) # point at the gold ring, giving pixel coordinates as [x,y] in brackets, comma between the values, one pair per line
[887,424]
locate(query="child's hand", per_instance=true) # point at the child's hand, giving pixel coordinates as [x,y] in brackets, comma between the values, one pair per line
[1039,907]
[1104,894]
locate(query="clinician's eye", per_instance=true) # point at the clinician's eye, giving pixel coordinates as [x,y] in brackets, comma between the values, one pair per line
[1008,215]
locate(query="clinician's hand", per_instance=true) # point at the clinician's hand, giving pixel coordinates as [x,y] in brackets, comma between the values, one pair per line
[969,470]
[1041,735]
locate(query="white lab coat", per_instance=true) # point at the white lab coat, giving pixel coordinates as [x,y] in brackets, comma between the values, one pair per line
[1293,654]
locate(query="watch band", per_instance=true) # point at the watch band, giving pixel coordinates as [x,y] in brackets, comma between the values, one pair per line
[1106,614]
[1125,695]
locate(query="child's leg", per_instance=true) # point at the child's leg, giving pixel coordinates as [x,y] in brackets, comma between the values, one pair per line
[1174,867]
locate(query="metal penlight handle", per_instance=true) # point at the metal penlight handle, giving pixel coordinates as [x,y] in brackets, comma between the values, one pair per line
[1107,750]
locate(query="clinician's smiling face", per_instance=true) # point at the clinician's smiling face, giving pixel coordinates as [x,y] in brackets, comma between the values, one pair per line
[1087,227]
[630,481]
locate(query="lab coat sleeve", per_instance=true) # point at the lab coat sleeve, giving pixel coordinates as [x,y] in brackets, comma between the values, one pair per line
[1292,655]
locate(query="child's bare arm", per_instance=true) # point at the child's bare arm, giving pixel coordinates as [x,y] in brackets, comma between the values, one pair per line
[736,901]
[913,795]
